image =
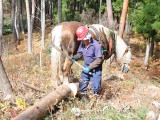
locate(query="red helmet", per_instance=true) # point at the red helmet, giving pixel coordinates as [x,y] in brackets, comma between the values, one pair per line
[81,32]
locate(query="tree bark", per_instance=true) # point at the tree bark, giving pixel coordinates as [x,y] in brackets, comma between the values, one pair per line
[100,5]
[74,7]
[85,4]
[38,14]
[13,24]
[123,18]
[29,27]
[21,17]
[110,14]
[5,85]
[59,11]
[16,24]
[127,28]
[39,110]
[152,46]
[42,23]
[33,16]
[51,12]
[147,52]
[1,25]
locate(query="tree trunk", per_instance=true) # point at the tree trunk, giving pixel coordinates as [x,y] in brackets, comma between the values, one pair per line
[74,8]
[51,12]
[59,11]
[13,23]
[39,110]
[152,46]
[38,13]
[21,17]
[147,52]
[1,25]
[110,14]
[123,18]
[33,16]
[43,23]
[47,10]
[29,27]
[16,24]
[127,27]
[100,5]
[5,85]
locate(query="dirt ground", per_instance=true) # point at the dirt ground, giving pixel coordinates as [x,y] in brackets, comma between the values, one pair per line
[139,88]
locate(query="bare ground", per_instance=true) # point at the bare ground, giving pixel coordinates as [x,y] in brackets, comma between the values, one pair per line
[120,99]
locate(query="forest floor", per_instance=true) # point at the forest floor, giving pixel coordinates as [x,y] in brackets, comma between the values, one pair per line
[136,97]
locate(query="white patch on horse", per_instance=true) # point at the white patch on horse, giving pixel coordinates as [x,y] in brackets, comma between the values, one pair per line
[121,47]
[56,55]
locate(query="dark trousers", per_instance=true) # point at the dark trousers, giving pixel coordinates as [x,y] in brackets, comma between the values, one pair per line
[93,80]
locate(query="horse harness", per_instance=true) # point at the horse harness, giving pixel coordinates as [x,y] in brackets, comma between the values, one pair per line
[111,46]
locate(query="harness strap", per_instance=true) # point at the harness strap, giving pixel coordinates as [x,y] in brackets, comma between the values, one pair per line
[96,33]
[112,44]
[112,41]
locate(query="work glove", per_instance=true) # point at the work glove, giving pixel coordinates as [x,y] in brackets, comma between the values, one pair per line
[86,69]
[72,59]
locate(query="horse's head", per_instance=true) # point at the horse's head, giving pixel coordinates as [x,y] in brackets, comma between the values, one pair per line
[123,54]
[126,59]
[117,46]
[112,44]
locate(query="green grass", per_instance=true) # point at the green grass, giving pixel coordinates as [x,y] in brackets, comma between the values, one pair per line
[98,112]
[141,113]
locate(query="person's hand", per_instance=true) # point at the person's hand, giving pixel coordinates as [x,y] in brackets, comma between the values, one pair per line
[86,69]
[72,59]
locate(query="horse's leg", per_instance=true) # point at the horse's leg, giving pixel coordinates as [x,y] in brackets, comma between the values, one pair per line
[55,62]
[61,62]
[66,68]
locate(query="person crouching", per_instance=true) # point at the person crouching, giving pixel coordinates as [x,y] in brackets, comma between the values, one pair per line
[91,52]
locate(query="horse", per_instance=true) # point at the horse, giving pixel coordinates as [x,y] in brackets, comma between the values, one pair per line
[64,37]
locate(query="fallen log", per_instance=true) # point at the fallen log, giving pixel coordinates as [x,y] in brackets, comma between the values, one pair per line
[39,110]
[114,76]
[33,87]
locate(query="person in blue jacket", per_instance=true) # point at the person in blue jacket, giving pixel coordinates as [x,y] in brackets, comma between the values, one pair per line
[91,52]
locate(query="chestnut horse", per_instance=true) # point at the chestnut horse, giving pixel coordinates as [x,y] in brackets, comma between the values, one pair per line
[64,37]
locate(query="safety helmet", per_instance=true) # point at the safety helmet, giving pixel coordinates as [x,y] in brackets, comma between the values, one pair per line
[81,32]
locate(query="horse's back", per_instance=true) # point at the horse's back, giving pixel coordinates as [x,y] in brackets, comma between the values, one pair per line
[66,36]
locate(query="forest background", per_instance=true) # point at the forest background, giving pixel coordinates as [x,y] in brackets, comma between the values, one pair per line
[25,27]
